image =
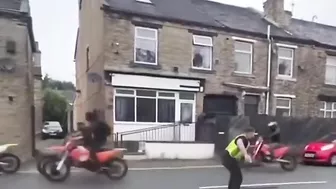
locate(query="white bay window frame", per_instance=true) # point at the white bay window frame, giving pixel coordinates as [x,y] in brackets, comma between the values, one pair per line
[176,97]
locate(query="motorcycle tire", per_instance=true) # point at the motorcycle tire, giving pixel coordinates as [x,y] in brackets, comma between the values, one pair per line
[53,176]
[41,161]
[289,166]
[110,173]
[15,161]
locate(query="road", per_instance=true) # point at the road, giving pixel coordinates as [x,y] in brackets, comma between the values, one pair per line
[178,176]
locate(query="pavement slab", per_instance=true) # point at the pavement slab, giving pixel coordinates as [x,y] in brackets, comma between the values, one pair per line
[180,177]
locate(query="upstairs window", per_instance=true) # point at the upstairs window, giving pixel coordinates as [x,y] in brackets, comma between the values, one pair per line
[145,46]
[285,62]
[202,52]
[330,73]
[243,57]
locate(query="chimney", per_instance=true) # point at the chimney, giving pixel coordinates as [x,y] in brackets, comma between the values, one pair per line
[275,11]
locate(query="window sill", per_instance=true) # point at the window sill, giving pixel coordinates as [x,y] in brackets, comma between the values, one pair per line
[239,74]
[329,85]
[195,70]
[148,66]
[285,78]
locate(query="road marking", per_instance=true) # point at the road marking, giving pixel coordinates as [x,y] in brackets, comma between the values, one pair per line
[76,170]
[269,184]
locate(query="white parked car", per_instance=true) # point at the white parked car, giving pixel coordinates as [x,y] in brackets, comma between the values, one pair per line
[52,129]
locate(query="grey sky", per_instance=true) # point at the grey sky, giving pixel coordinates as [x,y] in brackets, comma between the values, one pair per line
[56,22]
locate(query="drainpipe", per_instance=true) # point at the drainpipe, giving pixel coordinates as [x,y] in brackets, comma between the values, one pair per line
[269,58]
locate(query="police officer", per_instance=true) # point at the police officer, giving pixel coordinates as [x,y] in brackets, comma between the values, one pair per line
[234,152]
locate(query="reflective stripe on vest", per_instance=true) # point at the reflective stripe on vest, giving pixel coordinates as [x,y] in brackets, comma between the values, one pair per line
[233,148]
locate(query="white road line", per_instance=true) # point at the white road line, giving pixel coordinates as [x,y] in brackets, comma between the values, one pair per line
[33,171]
[269,184]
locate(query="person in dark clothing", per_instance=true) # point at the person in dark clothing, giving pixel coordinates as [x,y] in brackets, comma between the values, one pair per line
[99,131]
[235,152]
[274,136]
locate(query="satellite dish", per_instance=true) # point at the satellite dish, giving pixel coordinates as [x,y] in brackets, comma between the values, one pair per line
[94,77]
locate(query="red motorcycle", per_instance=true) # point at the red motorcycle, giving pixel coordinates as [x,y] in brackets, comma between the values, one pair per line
[72,154]
[281,154]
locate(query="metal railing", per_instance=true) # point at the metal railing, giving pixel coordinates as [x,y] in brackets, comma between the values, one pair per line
[170,132]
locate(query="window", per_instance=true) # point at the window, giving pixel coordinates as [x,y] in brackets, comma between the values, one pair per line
[283,106]
[330,74]
[285,61]
[328,109]
[153,106]
[202,52]
[145,45]
[251,105]
[243,57]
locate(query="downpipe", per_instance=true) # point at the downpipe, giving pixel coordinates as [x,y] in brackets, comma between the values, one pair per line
[269,59]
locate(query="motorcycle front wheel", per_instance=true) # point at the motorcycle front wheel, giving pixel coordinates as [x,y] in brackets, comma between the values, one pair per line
[53,175]
[116,169]
[10,163]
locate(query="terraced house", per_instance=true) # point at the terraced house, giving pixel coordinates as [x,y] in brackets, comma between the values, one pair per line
[152,62]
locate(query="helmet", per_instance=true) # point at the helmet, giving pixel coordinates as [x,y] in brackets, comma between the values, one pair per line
[272,123]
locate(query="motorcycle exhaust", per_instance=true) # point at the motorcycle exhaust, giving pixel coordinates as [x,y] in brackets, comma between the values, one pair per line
[282,161]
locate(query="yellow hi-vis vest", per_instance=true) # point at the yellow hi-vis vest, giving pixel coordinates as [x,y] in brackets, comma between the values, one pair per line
[234,150]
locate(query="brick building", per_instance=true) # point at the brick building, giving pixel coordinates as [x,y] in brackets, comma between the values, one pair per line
[151,62]
[17,56]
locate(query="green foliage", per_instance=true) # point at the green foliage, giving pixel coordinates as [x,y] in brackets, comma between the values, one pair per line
[55,103]
[57,85]
[55,106]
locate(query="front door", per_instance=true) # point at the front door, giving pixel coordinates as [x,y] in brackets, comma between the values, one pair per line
[251,105]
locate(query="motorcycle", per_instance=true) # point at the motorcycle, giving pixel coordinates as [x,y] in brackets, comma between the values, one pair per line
[51,152]
[9,163]
[111,162]
[262,154]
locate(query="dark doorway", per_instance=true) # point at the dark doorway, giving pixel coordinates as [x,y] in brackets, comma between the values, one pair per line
[251,104]
[220,104]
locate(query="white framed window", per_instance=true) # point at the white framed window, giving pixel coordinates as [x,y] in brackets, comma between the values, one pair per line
[328,109]
[145,45]
[285,61]
[202,52]
[243,57]
[283,106]
[151,106]
[330,73]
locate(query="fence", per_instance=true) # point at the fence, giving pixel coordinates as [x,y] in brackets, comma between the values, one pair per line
[294,131]
[171,132]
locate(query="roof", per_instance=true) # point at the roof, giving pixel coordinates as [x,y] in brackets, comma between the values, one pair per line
[10,4]
[225,16]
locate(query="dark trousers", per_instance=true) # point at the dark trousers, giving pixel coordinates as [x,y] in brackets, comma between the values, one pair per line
[231,164]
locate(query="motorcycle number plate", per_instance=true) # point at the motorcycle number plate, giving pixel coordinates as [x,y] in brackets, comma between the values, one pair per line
[309,155]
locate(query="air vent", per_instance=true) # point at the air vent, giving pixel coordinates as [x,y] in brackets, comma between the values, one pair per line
[144,1]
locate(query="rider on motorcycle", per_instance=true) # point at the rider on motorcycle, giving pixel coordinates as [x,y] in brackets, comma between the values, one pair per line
[274,136]
[99,131]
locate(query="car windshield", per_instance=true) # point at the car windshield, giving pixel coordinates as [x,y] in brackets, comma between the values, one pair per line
[328,138]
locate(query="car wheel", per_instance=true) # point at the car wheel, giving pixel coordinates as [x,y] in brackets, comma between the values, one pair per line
[333,160]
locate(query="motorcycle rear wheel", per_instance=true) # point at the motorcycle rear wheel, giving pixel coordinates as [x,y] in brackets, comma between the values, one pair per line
[116,169]
[291,166]
[50,172]
[14,163]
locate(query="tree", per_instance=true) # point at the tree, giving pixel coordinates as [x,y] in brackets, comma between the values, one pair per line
[55,106]
[56,84]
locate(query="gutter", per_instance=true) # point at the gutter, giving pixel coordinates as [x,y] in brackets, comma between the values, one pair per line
[269,70]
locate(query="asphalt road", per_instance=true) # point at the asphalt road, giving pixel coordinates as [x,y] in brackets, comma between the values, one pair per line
[191,177]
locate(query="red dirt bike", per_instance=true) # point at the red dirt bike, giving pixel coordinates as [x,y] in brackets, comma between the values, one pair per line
[281,154]
[72,154]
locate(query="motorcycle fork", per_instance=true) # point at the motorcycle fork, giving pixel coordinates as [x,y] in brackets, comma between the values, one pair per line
[61,163]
